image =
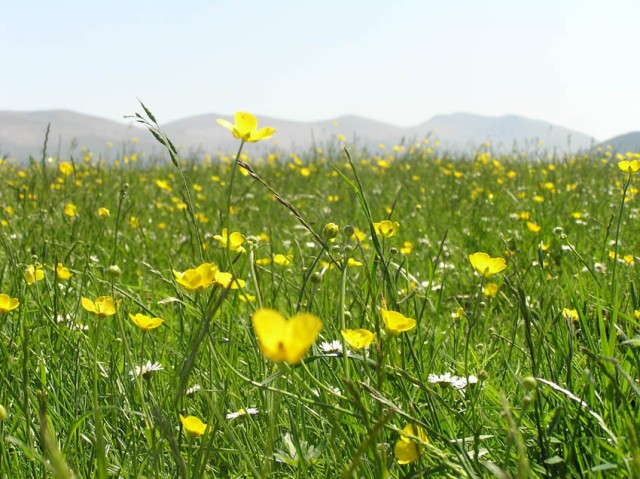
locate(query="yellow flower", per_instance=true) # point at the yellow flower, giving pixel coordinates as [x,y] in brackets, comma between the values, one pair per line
[246,128]
[285,340]
[8,304]
[458,313]
[164,185]
[358,338]
[233,241]
[533,227]
[104,213]
[193,426]
[33,273]
[197,279]
[62,273]
[144,322]
[70,210]
[407,451]
[282,260]
[354,263]
[66,168]
[627,166]
[490,290]
[358,235]
[103,306]
[226,280]
[570,314]
[486,265]
[386,228]
[397,323]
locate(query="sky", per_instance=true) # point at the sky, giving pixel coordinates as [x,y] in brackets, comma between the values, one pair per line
[573,63]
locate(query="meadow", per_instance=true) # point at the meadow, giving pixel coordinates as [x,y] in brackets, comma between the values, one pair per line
[336,313]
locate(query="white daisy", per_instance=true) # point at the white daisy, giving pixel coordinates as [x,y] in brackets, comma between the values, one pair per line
[242,412]
[334,346]
[146,370]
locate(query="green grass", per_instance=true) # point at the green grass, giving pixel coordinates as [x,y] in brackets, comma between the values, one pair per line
[73,408]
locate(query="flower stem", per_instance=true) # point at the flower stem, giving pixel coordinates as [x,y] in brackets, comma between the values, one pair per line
[343,325]
[615,250]
[229,190]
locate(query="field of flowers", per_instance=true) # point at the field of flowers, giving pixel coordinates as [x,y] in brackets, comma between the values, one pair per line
[330,314]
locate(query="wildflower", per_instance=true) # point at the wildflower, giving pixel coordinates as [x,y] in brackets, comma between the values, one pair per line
[357,234]
[406,450]
[103,306]
[334,346]
[33,273]
[570,314]
[233,241]
[462,383]
[192,390]
[164,185]
[282,260]
[386,228]
[193,426]
[66,168]
[358,338]
[490,290]
[144,322]
[197,279]
[8,304]
[70,210]
[62,273]
[246,128]
[242,412]
[146,370]
[104,213]
[354,263]
[487,266]
[533,227]
[407,248]
[226,280]
[443,380]
[630,167]
[397,323]
[458,313]
[285,340]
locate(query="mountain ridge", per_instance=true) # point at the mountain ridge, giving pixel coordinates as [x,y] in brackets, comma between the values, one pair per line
[22,133]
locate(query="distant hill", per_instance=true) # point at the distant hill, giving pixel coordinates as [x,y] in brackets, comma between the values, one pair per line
[464,130]
[623,143]
[22,133]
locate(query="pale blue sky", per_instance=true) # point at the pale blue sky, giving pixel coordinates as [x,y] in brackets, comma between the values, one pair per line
[574,62]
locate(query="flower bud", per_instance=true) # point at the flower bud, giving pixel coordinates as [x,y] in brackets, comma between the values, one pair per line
[114,271]
[3,413]
[315,277]
[348,231]
[530,383]
[330,231]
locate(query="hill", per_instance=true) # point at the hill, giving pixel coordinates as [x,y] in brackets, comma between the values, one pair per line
[623,143]
[22,133]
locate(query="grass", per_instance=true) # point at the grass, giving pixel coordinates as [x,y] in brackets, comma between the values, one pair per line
[557,391]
